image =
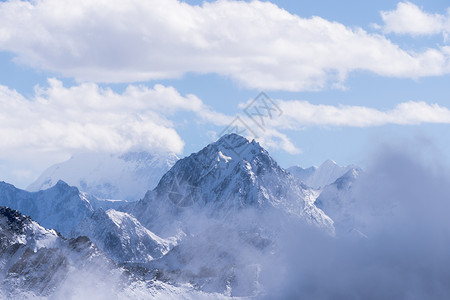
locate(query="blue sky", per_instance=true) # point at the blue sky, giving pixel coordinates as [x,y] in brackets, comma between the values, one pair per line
[170,76]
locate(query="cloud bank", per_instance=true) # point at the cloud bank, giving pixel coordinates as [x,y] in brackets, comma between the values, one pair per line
[255,43]
[402,201]
[89,118]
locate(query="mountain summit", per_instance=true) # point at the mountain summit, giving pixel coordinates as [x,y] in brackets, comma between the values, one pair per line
[224,173]
[229,201]
[230,174]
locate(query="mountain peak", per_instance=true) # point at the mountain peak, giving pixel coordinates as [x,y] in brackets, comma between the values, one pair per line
[328,163]
[62,187]
[232,141]
[228,166]
[236,147]
[224,177]
[61,183]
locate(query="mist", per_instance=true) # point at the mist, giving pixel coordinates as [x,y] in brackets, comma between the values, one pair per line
[402,202]
[397,246]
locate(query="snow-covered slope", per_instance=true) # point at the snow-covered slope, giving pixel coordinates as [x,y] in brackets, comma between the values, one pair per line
[318,177]
[60,207]
[63,208]
[225,177]
[128,176]
[34,261]
[122,237]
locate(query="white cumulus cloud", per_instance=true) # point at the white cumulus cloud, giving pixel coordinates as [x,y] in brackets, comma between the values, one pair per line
[59,120]
[408,18]
[89,118]
[254,43]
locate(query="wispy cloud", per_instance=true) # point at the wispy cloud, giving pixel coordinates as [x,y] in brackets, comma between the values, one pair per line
[255,43]
[299,114]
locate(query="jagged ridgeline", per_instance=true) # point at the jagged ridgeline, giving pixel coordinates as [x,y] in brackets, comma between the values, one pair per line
[207,229]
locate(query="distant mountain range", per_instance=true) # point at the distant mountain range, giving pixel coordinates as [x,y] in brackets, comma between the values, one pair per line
[203,231]
[319,177]
[60,207]
[126,176]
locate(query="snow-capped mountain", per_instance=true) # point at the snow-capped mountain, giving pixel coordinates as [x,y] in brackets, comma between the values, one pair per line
[231,199]
[74,213]
[337,202]
[60,207]
[318,177]
[122,237]
[224,177]
[208,226]
[223,223]
[127,176]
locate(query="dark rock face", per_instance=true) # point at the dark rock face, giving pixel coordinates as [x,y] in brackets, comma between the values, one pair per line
[39,271]
[14,220]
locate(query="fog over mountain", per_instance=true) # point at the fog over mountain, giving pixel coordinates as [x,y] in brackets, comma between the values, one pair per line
[228,222]
[400,204]
[319,177]
[224,149]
